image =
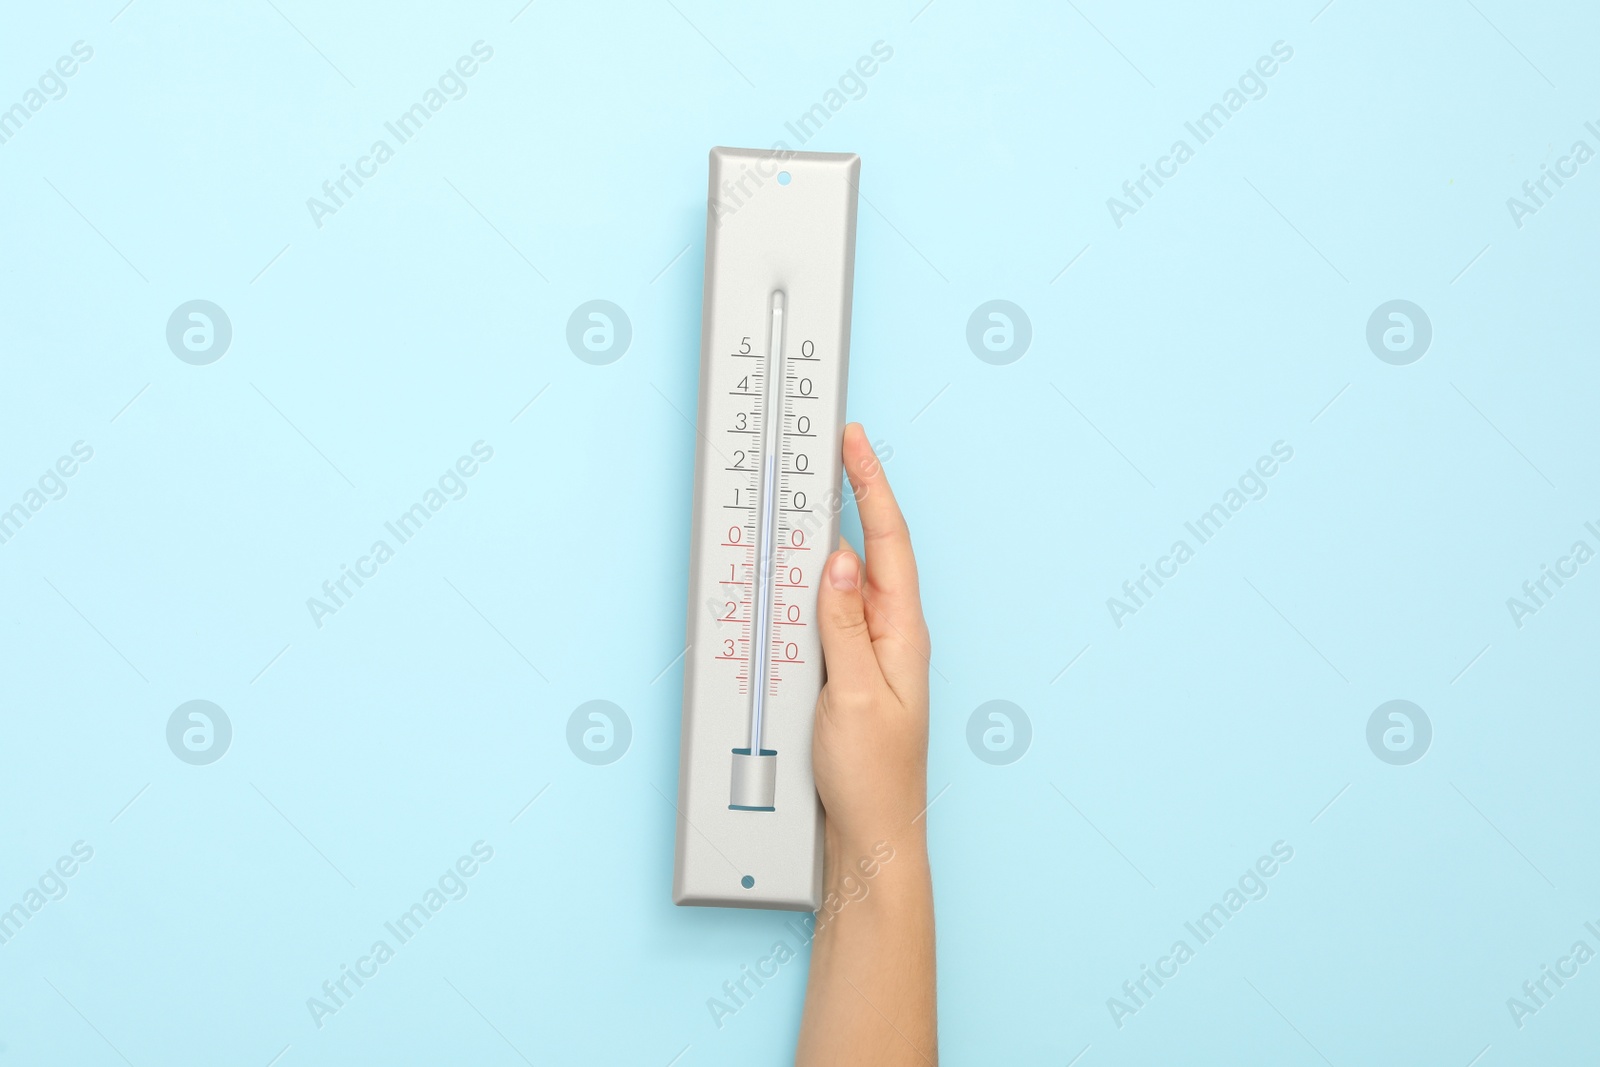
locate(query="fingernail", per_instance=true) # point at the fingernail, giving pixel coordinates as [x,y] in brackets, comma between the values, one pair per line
[843,572]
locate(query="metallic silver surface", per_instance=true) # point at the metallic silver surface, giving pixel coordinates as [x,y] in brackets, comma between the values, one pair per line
[780,260]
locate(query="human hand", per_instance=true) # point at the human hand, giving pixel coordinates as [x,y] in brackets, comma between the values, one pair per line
[870,744]
[871,996]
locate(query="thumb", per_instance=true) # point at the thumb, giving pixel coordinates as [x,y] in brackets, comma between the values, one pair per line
[846,645]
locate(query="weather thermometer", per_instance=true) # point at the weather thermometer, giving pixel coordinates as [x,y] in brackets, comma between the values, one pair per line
[774,352]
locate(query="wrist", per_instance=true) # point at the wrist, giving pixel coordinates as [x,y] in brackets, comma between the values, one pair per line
[857,850]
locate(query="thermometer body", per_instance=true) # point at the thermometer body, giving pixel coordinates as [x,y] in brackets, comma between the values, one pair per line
[768,488]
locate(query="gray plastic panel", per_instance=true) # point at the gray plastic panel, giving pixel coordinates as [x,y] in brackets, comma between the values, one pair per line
[780,264]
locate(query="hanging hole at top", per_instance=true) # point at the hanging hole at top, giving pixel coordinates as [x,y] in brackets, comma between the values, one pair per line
[783,177]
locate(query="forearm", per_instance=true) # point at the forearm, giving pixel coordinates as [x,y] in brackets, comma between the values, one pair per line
[870,998]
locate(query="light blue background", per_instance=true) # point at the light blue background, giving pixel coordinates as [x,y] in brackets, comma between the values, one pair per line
[1227,314]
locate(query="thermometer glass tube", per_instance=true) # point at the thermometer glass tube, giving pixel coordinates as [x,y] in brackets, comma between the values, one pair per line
[767,528]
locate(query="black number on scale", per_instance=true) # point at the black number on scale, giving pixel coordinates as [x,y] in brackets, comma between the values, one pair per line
[744,384]
[743,421]
[799,501]
[808,349]
[738,459]
[805,386]
[801,462]
[744,346]
[802,424]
